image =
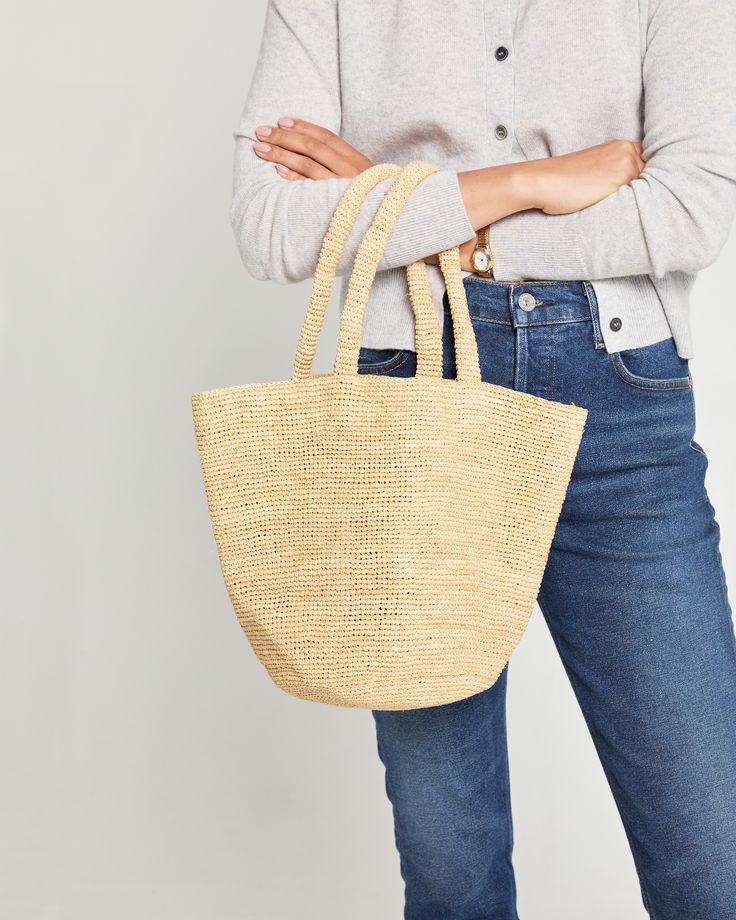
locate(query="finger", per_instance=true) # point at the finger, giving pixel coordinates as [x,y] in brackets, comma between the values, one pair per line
[638,155]
[304,144]
[297,162]
[287,173]
[320,133]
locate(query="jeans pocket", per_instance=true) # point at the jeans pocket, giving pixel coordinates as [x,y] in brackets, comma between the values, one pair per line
[653,367]
[385,360]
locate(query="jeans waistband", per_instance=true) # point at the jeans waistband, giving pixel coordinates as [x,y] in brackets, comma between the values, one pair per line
[533,303]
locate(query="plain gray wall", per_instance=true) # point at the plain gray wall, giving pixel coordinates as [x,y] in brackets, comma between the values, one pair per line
[150,768]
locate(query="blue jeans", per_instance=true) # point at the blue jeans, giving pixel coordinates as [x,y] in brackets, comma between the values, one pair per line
[635,598]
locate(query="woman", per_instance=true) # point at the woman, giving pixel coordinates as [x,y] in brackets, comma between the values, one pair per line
[597,143]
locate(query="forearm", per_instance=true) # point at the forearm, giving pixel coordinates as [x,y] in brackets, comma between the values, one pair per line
[491,194]
[279,225]
[495,192]
[646,227]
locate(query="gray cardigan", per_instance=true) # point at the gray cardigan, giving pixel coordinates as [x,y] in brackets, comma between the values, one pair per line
[406,79]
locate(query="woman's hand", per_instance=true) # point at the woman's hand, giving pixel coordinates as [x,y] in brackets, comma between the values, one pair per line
[301,150]
[563,184]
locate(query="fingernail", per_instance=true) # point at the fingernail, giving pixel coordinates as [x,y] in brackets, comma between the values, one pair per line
[261,148]
[282,170]
[286,122]
[264,130]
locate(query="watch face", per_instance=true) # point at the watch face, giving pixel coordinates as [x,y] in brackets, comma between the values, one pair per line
[481,262]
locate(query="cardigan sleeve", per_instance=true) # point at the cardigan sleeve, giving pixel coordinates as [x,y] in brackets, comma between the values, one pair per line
[677,215]
[279,224]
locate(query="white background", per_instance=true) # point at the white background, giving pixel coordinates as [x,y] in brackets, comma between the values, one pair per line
[149,767]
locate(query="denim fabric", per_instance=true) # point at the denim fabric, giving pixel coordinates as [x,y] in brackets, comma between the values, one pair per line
[635,598]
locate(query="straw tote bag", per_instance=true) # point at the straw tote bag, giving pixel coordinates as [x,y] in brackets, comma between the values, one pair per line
[383,539]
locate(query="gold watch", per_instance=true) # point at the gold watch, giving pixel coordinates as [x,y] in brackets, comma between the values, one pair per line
[482,258]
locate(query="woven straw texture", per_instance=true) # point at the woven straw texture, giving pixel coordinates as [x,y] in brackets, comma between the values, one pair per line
[383,539]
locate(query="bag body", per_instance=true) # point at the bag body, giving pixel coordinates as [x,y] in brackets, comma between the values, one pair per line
[383,539]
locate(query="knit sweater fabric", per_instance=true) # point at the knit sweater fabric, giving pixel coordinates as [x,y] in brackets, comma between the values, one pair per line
[421,79]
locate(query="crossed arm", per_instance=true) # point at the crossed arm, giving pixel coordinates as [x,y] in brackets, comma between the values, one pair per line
[555,185]
[619,208]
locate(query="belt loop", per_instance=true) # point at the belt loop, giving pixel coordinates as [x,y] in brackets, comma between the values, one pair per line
[512,313]
[594,314]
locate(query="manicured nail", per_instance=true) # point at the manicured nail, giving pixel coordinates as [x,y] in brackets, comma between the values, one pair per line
[286,122]
[263,130]
[282,170]
[261,147]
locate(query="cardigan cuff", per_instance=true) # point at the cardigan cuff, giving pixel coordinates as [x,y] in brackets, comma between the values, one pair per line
[531,245]
[433,219]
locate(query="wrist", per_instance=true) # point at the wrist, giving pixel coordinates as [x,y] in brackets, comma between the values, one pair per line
[494,192]
[526,184]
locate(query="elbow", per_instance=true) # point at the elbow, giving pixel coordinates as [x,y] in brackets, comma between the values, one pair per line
[691,245]
[687,217]
[260,241]
[707,227]
[699,247]
[711,245]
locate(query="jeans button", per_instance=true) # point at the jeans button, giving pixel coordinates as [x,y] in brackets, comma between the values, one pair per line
[527,301]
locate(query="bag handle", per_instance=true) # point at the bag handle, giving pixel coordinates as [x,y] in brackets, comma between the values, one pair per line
[341,224]
[364,272]
[372,246]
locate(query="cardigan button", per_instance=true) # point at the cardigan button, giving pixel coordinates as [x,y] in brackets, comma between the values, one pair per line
[615,324]
[501,53]
[502,132]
